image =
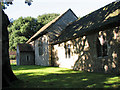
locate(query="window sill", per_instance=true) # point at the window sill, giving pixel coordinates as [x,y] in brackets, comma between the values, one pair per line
[103,57]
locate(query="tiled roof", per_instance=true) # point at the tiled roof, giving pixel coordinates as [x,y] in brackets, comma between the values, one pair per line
[43,30]
[101,19]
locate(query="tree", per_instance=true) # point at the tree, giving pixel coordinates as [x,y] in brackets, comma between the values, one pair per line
[21,30]
[7,73]
[5,3]
[45,18]
[24,28]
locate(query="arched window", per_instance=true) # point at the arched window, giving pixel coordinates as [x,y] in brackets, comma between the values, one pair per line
[67,50]
[102,46]
[99,51]
[40,46]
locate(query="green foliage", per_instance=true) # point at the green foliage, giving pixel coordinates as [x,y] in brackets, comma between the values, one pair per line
[24,28]
[12,57]
[46,18]
[21,30]
[5,3]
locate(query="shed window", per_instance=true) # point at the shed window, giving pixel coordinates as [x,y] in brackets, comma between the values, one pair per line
[27,58]
[40,46]
[102,47]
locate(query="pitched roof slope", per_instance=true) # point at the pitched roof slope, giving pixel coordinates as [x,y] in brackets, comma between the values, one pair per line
[43,30]
[25,47]
[103,18]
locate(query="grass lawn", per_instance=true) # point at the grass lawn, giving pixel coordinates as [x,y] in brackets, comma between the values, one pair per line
[55,77]
[13,62]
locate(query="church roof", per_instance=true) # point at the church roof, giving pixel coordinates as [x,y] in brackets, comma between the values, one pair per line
[45,28]
[101,19]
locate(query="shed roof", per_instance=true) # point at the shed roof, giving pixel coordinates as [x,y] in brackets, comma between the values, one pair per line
[25,47]
[44,29]
[101,19]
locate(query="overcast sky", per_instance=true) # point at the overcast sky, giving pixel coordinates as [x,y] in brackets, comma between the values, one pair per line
[39,7]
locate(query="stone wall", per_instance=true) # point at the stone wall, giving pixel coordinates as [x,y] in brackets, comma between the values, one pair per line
[42,51]
[84,53]
[53,31]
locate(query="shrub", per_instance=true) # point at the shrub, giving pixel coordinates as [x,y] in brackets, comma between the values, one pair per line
[12,57]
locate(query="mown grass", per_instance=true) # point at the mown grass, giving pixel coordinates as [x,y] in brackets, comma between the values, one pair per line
[55,77]
[13,62]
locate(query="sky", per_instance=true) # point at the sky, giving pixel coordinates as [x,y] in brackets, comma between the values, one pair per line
[39,7]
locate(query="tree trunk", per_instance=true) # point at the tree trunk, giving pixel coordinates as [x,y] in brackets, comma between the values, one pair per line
[7,74]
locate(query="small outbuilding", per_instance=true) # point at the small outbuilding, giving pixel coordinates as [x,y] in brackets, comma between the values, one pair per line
[91,43]
[25,54]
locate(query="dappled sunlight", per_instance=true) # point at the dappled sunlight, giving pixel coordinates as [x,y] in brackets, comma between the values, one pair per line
[39,70]
[91,86]
[91,58]
[100,19]
[62,56]
[54,77]
[95,52]
[112,82]
[94,41]
[84,79]
[82,47]
[113,14]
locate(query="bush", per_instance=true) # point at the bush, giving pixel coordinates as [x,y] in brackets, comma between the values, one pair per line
[12,57]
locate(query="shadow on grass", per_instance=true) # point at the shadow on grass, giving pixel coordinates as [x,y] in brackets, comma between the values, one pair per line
[66,79]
